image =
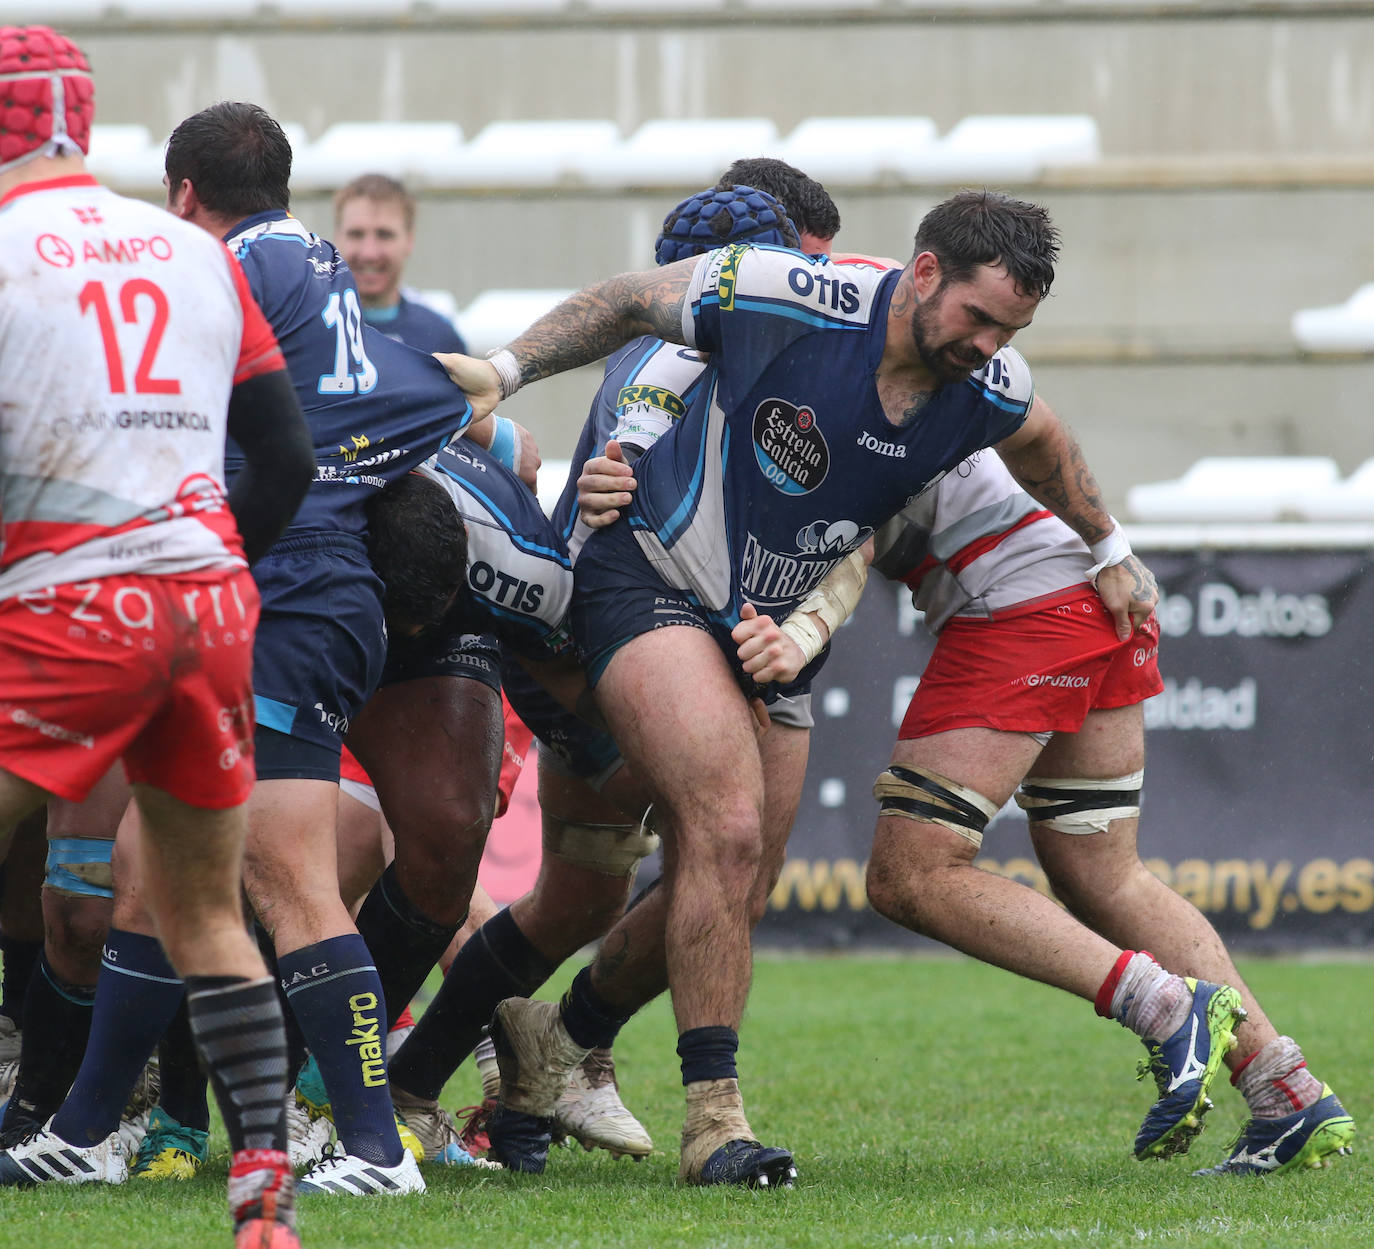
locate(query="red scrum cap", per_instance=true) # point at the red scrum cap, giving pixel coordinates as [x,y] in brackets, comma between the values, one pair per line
[47,98]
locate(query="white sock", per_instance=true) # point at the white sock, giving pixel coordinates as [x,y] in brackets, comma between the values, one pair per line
[1151,1002]
[1275,1081]
[487,1068]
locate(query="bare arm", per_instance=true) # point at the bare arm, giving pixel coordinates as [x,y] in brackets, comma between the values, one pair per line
[584,327]
[1047,463]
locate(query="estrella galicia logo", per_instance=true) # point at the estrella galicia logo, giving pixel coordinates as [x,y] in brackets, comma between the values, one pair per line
[790,449]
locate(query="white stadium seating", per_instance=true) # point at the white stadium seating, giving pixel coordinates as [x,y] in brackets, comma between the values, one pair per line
[1013,148]
[523,154]
[679,151]
[347,149]
[551,155]
[1351,499]
[496,316]
[1342,327]
[1235,488]
[856,151]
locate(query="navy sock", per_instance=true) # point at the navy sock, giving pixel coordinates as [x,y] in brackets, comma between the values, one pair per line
[337,999]
[590,1020]
[497,963]
[136,997]
[708,1054]
[57,1021]
[20,958]
[405,942]
[183,1080]
[238,1029]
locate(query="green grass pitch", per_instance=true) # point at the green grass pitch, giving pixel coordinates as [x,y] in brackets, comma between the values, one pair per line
[929,1101]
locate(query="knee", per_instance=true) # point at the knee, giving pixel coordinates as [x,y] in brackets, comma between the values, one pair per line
[912,869]
[437,835]
[74,934]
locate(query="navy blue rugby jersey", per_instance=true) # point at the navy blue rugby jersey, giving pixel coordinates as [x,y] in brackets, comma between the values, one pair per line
[518,568]
[376,407]
[416,325]
[787,461]
[647,387]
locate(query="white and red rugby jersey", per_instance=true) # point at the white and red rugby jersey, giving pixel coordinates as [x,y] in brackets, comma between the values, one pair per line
[122,332]
[976,545]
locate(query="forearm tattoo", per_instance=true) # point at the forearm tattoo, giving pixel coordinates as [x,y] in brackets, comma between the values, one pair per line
[1066,484]
[594,322]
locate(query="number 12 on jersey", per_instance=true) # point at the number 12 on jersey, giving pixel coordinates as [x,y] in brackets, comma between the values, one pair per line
[93,297]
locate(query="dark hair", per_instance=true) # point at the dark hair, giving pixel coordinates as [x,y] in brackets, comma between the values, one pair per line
[976,228]
[237,158]
[807,202]
[379,188]
[418,546]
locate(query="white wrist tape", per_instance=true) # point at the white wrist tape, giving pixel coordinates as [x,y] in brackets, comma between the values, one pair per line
[1113,549]
[834,601]
[507,370]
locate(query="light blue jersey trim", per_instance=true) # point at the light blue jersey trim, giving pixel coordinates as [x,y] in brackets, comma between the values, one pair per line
[274,715]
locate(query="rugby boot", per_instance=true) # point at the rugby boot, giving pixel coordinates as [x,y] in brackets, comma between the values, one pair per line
[590,1111]
[519,1142]
[347,1174]
[434,1129]
[169,1150]
[44,1157]
[1307,1138]
[1184,1066]
[535,1053]
[719,1147]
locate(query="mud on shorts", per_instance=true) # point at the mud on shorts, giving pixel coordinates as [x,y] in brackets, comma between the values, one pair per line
[156,671]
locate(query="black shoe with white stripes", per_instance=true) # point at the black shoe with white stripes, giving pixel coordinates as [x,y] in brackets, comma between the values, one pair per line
[338,1172]
[43,1157]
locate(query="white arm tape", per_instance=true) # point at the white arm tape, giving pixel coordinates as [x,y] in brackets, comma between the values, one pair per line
[834,601]
[1113,549]
[507,370]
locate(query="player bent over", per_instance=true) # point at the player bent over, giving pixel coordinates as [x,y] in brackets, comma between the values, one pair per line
[1029,686]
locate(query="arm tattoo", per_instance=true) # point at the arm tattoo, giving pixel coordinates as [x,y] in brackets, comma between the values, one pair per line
[594,322]
[1065,483]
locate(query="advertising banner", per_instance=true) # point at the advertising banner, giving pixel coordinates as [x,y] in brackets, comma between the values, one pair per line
[1256,803]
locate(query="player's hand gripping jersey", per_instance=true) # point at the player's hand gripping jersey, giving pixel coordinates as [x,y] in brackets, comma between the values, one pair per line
[119,361]
[790,462]
[376,407]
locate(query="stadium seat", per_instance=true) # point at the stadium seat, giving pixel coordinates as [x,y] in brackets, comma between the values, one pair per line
[993,148]
[855,151]
[442,302]
[523,154]
[553,475]
[402,149]
[1349,499]
[1235,488]
[679,152]
[172,10]
[1340,327]
[496,316]
[125,156]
